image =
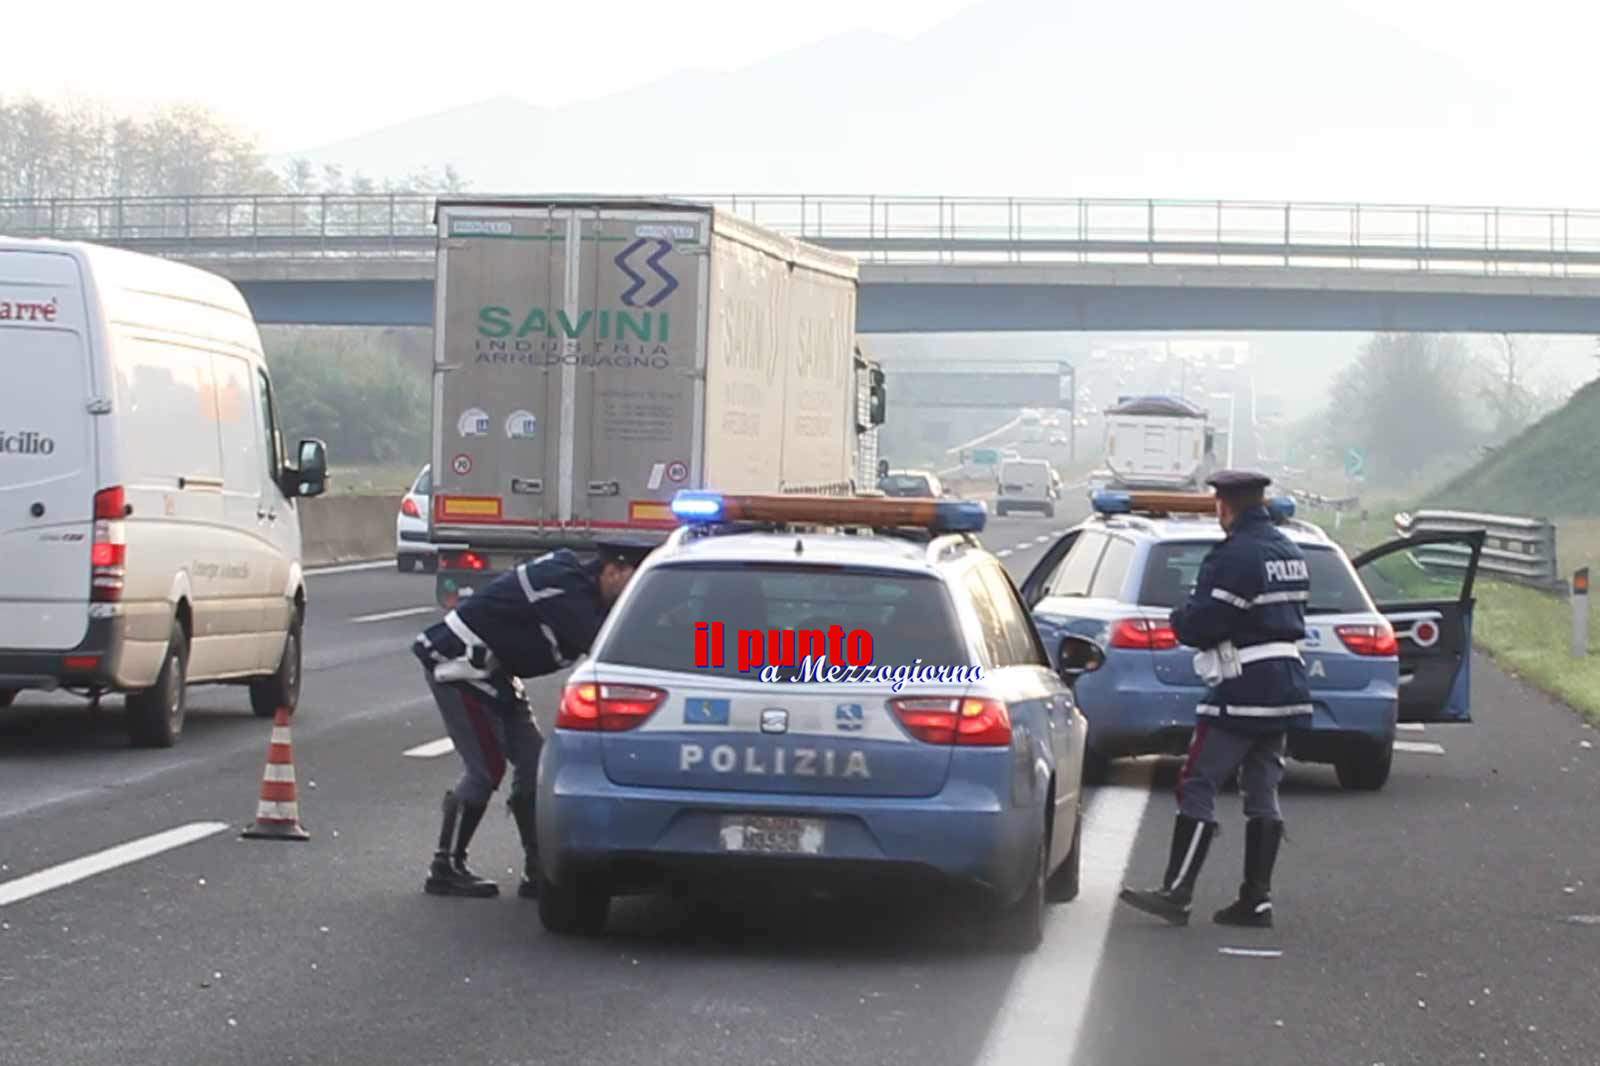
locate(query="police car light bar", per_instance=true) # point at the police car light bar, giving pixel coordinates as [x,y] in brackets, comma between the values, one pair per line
[698,507]
[1112,502]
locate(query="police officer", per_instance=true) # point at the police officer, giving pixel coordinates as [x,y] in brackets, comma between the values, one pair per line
[1246,615]
[534,620]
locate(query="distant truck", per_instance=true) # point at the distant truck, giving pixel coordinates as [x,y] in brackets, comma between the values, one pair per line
[1158,442]
[595,356]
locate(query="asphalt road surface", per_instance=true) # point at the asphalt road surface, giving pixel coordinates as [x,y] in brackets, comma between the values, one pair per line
[1442,920]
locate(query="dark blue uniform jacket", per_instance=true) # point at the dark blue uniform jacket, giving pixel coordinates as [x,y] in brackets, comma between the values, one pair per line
[1251,592]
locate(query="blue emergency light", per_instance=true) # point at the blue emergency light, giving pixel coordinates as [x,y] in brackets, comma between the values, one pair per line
[700,507]
[1281,508]
[1107,502]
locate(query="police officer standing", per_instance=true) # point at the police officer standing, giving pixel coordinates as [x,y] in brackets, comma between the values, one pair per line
[1246,615]
[533,620]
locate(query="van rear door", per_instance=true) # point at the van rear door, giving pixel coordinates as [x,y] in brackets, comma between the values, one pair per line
[47,459]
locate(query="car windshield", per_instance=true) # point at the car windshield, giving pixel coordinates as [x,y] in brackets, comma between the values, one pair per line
[1171,568]
[909,616]
[906,485]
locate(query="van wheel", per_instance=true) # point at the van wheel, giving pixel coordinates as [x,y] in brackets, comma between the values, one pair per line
[7,695]
[155,716]
[1000,510]
[282,687]
[1049,510]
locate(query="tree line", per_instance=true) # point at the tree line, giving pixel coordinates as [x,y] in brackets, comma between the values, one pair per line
[87,148]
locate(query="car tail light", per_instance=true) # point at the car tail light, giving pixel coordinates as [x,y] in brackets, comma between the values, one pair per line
[1143,633]
[1374,640]
[462,560]
[80,664]
[108,556]
[608,708]
[969,722]
[408,507]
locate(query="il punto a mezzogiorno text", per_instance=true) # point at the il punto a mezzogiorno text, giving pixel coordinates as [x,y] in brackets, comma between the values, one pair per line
[834,656]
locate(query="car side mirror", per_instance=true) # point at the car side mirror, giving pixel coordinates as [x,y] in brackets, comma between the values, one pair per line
[1076,656]
[309,476]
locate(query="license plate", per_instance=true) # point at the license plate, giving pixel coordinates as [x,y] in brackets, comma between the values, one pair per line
[771,835]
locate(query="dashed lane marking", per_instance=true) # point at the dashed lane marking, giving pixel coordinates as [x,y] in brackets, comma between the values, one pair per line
[1411,727]
[385,616]
[101,861]
[349,568]
[1043,1011]
[1419,747]
[1041,538]
[431,750]
[1024,546]
[1002,553]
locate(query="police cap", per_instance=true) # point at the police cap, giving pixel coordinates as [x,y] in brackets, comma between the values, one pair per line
[628,550]
[1238,482]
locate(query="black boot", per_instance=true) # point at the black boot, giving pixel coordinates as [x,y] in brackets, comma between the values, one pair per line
[448,875]
[1253,908]
[1191,840]
[522,811]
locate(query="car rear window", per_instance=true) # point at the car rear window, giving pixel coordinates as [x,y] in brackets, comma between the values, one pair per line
[1171,569]
[909,616]
[424,485]
[906,486]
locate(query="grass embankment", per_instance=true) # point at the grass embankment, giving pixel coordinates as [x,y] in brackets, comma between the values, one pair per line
[373,480]
[1527,632]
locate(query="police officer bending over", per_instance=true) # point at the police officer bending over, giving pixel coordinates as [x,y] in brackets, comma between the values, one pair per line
[1246,615]
[533,620]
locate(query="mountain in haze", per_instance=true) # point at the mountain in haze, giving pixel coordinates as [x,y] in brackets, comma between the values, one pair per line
[1233,99]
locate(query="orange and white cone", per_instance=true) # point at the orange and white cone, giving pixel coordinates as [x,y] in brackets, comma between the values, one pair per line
[278,813]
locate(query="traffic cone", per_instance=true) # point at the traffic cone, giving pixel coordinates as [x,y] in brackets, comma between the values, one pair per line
[278,813]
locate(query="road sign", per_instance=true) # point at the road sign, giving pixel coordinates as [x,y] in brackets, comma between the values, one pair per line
[986,457]
[462,464]
[1355,464]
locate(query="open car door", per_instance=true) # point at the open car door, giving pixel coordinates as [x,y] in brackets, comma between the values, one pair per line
[1038,580]
[1423,586]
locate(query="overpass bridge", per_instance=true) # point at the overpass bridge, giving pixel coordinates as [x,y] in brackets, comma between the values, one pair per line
[950,264]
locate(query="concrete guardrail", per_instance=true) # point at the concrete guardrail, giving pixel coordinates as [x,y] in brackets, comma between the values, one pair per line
[344,529]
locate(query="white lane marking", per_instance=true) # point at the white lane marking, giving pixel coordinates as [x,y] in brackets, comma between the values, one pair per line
[1252,953]
[1002,553]
[1044,1008]
[1024,546]
[1419,747]
[348,568]
[404,612]
[432,749]
[1410,727]
[78,869]
[1041,538]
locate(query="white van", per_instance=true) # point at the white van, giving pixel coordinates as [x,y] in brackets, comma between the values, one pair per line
[1027,485]
[149,535]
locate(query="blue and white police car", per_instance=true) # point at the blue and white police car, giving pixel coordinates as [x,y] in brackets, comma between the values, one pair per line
[661,769]
[1388,638]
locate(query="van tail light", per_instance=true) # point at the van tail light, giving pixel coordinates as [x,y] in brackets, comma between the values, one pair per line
[1143,633]
[608,708]
[462,560]
[108,557]
[408,507]
[965,722]
[1377,641]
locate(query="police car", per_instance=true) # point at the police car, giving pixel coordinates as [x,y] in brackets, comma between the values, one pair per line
[1406,657]
[964,767]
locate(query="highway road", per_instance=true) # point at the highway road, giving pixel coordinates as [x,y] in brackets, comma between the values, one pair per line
[1451,918]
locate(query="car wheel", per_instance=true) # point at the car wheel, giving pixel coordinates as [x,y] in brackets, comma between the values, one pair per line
[1000,510]
[1063,884]
[1022,923]
[1367,772]
[1096,767]
[404,563]
[7,696]
[581,905]
[155,716]
[1050,510]
[282,687]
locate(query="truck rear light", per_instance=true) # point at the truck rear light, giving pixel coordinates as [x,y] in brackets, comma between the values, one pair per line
[462,560]
[108,556]
[1142,633]
[1377,641]
[592,706]
[969,722]
[408,507]
[80,664]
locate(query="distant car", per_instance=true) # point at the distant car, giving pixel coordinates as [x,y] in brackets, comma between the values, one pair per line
[660,770]
[1058,438]
[412,550]
[1027,485]
[1115,578]
[920,484]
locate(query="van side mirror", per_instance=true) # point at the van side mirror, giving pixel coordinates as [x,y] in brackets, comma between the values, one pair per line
[309,476]
[1077,656]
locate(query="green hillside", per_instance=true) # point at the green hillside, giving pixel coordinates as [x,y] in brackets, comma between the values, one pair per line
[1552,469]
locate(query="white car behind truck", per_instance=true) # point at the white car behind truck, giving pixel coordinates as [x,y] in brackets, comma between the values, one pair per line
[593,357]
[1158,442]
[149,531]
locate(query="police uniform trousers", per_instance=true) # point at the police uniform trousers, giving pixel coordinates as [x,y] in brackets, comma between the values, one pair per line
[1215,755]
[489,731]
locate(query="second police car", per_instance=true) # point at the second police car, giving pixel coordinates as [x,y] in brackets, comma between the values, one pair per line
[660,768]
[1388,633]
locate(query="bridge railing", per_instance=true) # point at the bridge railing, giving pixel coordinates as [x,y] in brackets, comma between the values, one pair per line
[1483,240]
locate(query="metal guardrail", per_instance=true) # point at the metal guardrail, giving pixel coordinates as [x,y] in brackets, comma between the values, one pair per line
[1425,238]
[1517,548]
[1339,506]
